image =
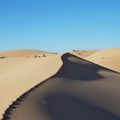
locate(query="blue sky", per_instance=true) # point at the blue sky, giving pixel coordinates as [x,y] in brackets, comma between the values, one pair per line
[59,25]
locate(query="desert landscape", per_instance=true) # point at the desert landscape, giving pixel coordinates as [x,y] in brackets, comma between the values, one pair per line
[59,59]
[76,85]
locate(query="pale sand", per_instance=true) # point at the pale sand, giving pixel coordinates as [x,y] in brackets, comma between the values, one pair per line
[20,73]
[80,90]
[108,58]
[23,53]
[84,53]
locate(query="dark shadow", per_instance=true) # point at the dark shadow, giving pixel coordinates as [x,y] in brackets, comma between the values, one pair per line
[13,106]
[79,69]
[68,107]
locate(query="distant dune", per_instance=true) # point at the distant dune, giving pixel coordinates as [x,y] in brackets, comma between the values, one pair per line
[108,58]
[23,53]
[80,90]
[84,53]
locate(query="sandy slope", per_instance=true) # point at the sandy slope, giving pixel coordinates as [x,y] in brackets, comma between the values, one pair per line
[19,74]
[16,58]
[9,64]
[109,58]
[79,91]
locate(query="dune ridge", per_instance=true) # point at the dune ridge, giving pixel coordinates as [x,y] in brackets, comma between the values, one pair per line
[79,90]
[109,58]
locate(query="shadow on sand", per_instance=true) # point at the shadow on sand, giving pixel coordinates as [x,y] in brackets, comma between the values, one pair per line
[78,69]
[68,107]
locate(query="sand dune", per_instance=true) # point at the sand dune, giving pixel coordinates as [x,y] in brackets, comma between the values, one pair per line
[19,74]
[80,90]
[23,53]
[17,58]
[108,58]
[84,53]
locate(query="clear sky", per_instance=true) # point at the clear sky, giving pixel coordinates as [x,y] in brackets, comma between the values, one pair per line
[59,25]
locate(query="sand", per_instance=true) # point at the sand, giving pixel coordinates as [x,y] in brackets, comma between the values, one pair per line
[80,90]
[23,53]
[84,53]
[109,58]
[19,73]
